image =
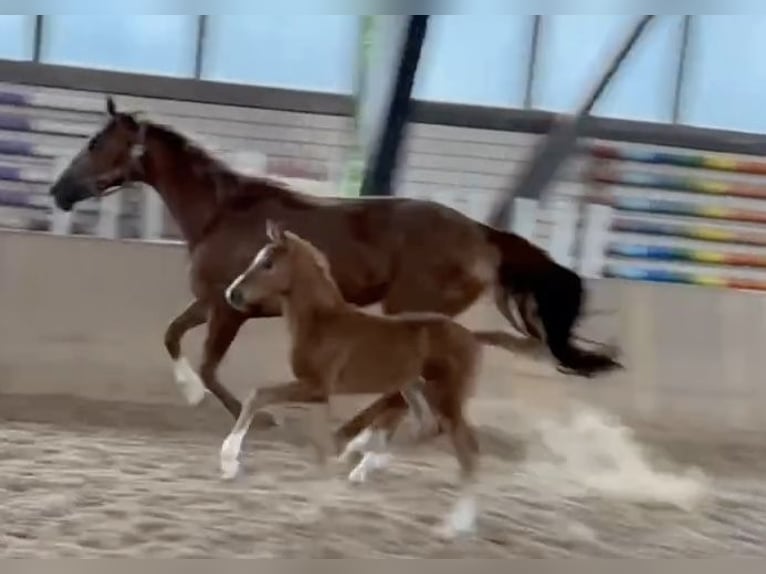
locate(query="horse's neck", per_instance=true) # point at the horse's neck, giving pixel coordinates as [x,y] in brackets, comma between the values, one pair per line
[186,189]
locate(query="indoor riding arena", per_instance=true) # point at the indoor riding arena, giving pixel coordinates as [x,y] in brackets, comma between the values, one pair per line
[652,190]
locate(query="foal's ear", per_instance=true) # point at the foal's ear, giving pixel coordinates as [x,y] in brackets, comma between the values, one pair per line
[111,108]
[275,231]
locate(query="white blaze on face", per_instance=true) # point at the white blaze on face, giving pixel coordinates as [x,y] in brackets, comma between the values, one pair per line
[263,256]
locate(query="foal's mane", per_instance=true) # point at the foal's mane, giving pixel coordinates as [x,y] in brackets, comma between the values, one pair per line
[316,257]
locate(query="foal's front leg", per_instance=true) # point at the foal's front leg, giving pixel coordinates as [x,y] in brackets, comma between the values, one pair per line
[295,392]
[222,327]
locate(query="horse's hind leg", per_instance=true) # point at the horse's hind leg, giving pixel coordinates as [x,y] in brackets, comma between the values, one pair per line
[371,429]
[187,380]
[372,442]
[392,402]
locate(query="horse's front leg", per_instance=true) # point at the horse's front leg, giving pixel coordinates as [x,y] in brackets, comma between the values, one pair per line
[370,430]
[187,380]
[224,323]
[222,327]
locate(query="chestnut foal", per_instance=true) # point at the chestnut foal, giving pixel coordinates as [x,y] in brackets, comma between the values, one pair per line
[339,349]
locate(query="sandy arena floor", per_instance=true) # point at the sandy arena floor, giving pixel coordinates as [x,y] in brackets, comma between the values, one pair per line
[86,479]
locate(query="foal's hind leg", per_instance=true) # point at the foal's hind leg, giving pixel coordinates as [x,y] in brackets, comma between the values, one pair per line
[449,405]
[188,381]
[416,290]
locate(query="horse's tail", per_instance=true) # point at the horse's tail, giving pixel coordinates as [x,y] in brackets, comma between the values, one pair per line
[559,296]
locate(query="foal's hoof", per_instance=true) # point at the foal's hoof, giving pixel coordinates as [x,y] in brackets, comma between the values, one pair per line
[461,521]
[263,420]
[370,461]
[229,468]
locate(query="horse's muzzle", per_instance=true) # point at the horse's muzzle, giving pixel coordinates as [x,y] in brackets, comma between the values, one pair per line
[67,192]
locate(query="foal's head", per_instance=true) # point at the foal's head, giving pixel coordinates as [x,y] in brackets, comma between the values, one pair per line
[105,161]
[286,263]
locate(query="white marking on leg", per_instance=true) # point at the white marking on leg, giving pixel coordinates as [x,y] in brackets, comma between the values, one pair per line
[357,444]
[421,409]
[370,461]
[462,519]
[373,444]
[230,450]
[188,381]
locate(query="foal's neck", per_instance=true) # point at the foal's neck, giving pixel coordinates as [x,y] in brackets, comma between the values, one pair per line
[313,300]
[186,178]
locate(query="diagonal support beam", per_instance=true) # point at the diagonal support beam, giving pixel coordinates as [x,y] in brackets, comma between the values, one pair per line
[562,138]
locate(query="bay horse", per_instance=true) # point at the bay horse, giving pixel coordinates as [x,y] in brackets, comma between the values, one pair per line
[407,254]
[337,348]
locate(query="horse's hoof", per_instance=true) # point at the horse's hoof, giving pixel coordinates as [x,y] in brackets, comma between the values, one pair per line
[189,382]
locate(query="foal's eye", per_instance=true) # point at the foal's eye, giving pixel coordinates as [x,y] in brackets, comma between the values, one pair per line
[266,265]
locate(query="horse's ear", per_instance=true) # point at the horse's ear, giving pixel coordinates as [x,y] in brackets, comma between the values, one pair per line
[275,231]
[111,108]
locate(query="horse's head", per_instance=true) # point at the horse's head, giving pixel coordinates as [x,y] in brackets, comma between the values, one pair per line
[105,162]
[270,273]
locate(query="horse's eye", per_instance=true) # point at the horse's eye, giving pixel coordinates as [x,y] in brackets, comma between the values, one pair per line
[92,144]
[266,265]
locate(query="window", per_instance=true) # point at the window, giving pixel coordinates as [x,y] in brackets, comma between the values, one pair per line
[574,50]
[17,37]
[315,53]
[480,60]
[163,45]
[725,84]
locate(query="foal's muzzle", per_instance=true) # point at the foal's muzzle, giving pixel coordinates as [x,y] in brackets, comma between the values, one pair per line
[235,298]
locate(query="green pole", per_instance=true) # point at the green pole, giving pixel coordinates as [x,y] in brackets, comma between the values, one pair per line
[351,183]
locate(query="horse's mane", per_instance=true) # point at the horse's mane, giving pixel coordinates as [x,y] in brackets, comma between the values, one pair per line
[234,191]
[219,168]
[181,144]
